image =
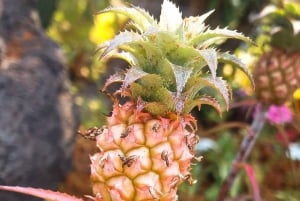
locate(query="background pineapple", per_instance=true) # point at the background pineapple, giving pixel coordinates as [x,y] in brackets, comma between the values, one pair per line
[277,73]
[147,146]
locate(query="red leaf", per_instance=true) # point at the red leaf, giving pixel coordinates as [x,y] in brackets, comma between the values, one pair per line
[253,181]
[41,193]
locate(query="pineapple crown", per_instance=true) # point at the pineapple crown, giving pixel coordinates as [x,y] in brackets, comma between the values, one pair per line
[171,61]
[280,22]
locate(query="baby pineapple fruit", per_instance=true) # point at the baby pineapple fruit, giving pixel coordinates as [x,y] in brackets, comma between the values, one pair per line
[277,73]
[147,145]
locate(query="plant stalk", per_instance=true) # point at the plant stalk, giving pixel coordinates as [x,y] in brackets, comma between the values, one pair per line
[243,154]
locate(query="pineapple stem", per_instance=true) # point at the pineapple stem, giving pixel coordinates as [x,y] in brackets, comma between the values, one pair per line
[243,154]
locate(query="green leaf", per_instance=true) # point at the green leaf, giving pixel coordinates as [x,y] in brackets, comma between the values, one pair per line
[156,108]
[142,18]
[203,100]
[133,74]
[126,56]
[147,54]
[184,55]
[182,74]
[115,78]
[170,18]
[195,25]
[210,56]
[215,36]
[228,58]
[221,86]
[120,39]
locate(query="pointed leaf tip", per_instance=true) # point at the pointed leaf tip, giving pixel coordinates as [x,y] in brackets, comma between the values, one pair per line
[182,75]
[41,193]
[195,25]
[226,57]
[120,39]
[133,74]
[222,87]
[141,18]
[210,56]
[170,17]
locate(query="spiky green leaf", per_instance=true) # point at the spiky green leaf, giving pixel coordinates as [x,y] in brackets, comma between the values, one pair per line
[118,77]
[182,74]
[140,17]
[203,100]
[134,73]
[210,56]
[126,56]
[120,39]
[221,86]
[228,58]
[195,25]
[170,17]
[215,36]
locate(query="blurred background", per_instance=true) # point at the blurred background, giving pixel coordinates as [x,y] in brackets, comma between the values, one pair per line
[74,29]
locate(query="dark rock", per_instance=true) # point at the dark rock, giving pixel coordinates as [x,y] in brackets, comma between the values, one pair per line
[37,119]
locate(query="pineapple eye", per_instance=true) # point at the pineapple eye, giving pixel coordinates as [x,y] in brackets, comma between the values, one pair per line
[164,156]
[91,133]
[128,161]
[125,133]
[156,127]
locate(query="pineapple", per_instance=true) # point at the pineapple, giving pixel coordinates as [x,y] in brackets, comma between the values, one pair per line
[277,73]
[147,145]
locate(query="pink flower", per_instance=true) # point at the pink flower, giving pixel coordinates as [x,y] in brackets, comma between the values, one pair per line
[279,114]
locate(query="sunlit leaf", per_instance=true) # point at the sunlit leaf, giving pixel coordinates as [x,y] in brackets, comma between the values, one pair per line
[210,56]
[140,17]
[121,38]
[221,86]
[195,25]
[214,36]
[233,60]
[126,56]
[170,17]
[132,75]
[182,75]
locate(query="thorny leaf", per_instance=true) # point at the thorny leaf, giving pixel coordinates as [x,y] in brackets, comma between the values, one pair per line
[210,56]
[41,193]
[182,75]
[170,17]
[203,100]
[133,74]
[210,37]
[117,77]
[126,56]
[195,25]
[141,18]
[221,86]
[233,60]
[120,39]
